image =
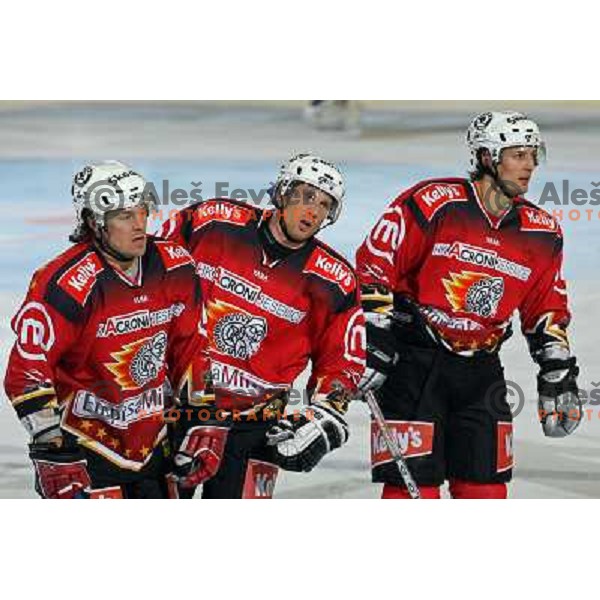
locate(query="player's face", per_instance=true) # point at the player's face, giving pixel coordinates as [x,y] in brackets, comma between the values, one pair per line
[305,209]
[126,230]
[517,167]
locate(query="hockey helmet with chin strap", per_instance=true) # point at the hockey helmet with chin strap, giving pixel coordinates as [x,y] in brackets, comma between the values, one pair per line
[102,187]
[496,131]
[310,169]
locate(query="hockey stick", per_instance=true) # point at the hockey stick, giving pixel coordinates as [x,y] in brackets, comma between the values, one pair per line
[392,443]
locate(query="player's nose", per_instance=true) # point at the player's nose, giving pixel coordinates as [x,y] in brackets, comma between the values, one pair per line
[140,221]
[530,163]
[311,212]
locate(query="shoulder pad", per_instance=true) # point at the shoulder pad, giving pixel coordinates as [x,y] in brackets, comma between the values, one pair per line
[79,279]
[432,196]
[332,268]
[57,265]
[173,255]
[533,218]
[222,211]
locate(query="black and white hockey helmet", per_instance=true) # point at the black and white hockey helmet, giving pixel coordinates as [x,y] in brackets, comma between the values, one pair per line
[308,168]
[496,131]
[101,187]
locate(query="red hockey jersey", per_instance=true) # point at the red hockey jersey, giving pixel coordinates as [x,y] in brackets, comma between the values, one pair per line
[100,347]
[267,317]
[466,271]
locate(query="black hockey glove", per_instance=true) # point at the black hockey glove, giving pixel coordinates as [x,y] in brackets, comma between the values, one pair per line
[300,443]
[381,353]
[381,344]
[559,404]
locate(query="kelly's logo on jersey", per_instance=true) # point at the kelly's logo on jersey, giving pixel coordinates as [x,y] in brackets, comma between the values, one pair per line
[173,256]
[433,196]
[537,220]
[224,212]
[475,293]
[78,281]
[415,438]
[327,267]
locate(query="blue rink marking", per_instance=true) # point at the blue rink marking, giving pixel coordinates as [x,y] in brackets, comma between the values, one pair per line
[41,189]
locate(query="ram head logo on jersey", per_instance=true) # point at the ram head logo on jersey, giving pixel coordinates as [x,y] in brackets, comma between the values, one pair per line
[139,362]
[235,332]
[475,293]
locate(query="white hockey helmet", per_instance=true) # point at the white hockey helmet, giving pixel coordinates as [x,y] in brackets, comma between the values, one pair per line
[308,168]
[101,187]
[496,131]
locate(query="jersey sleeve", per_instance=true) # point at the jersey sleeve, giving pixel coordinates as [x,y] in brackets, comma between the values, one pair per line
[544,311]
[43,336]
[177,228]
[186,355]
[394,248]
[339,351]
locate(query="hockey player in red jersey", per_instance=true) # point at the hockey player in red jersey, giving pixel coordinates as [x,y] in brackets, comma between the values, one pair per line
[103,326]
[442,273]
[276,298]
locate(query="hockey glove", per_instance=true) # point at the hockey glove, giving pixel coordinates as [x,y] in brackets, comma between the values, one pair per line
[199,441]
[300,443]
[381,347]
[560,408]
[61,473]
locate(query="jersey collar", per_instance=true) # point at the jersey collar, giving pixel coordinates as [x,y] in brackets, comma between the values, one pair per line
[494,220]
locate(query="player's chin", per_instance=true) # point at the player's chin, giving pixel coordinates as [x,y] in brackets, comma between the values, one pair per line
[303,235]
[309,232]
[137,248]
[523,185]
